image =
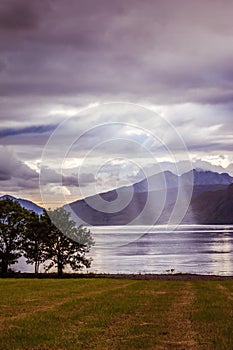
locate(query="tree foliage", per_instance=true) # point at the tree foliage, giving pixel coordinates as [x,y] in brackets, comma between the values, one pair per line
[12,224]
[52,238]
[35,241]
[67,243]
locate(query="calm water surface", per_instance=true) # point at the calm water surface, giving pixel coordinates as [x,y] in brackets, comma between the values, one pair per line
[158,249]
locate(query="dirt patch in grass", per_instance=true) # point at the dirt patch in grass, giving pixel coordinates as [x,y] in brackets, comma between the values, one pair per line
[225,291]
[159,292]
[180,333]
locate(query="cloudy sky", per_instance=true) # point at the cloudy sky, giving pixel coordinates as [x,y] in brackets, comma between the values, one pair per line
[68,68]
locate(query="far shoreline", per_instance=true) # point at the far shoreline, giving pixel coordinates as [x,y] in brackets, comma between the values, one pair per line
[139,276]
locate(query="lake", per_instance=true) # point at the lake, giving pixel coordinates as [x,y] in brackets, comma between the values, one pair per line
[202,249]
[198,249]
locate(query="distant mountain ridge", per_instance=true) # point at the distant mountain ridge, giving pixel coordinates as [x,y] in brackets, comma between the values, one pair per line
[214,207]
[206,177]
[168,180]
[29,205]
[197,180]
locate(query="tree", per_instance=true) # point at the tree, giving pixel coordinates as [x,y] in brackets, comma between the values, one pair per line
[35,241]
[67,243]
[12,223]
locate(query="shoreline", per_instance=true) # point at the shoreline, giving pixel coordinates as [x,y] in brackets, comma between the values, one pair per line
[159,277]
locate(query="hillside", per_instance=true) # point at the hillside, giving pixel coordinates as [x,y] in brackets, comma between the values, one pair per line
[29,205]
[160,185]
[214,207]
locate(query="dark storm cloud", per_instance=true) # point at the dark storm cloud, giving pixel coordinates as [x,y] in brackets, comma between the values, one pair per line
[48,175]
[35,129]
[12,167]
[75,180]
[17,15]
[162,51]
[15,175]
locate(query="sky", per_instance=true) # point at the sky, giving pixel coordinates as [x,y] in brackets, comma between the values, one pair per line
[98,94]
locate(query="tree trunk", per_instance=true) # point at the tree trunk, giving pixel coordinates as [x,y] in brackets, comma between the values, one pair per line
[37,267]
[4,266]
[59,269]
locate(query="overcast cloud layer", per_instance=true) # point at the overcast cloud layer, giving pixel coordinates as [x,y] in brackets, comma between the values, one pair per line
[57,57]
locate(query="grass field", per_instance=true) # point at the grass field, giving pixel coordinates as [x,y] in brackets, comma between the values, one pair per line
[115,314]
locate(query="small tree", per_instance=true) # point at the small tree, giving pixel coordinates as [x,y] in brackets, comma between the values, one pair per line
[67,243]
[35,241]
[12,224]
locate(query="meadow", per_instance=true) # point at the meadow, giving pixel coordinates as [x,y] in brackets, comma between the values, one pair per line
[104,313]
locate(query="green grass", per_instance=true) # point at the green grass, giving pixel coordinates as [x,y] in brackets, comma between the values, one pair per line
[115,314]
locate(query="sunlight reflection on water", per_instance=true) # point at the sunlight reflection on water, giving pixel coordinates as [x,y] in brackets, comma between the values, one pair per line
[203,249]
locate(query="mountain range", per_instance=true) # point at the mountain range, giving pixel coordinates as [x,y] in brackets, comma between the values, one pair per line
[161,192]
[195,177]
[29,205]
[152,200]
